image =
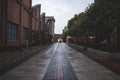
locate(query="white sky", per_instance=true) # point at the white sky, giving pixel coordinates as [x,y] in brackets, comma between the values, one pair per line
[62,10]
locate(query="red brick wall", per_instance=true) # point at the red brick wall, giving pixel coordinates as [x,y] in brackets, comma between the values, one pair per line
[13,11]
[33,24]
[25,18]
[57,36]
[33,21]
[27,3]
[14,14]
[37,25]
[36,18]
[38,13]
[33,13]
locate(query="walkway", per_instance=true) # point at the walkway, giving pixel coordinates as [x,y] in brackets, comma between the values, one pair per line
[60,62]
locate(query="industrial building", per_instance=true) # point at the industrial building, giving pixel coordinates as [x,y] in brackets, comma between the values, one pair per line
[19,20]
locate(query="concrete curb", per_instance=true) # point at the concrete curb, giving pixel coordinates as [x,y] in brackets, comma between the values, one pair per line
[96,53]
[109,60]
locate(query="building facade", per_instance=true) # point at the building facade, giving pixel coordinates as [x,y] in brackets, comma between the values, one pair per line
[50,24]
[43,21]
[18,21]
[57,36]
[15,21]
[36,20]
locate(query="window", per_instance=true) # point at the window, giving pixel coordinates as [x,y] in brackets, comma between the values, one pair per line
[24,33]
[12,31]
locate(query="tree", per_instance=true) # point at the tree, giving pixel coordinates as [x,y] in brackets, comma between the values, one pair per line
[100,19]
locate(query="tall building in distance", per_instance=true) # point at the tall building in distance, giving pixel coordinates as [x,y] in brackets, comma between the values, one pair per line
[50,24]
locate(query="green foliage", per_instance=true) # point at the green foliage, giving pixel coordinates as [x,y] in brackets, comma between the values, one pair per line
[39,37]
[42,38]
[98,20]
[49,38]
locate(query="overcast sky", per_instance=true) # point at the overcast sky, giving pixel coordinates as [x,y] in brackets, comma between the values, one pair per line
[62,10]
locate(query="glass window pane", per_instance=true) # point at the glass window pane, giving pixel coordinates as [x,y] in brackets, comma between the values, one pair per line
[12,31]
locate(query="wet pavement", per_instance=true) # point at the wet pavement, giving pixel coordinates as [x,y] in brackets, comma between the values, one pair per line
[60,62]
[60,67]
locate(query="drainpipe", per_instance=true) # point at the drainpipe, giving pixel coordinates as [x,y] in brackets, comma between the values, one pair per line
[30,24]
[4,21]
[20,29]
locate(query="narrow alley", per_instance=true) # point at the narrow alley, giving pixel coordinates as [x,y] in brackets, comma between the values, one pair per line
[60,62]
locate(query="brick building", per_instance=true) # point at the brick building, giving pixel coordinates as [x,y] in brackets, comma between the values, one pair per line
[50,24]
[36,19]
[57,36]
[18,21]
[43,21]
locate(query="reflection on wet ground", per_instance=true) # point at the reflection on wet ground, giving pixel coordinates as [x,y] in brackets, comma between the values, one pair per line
[60,62]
